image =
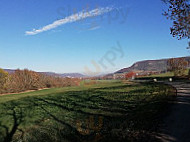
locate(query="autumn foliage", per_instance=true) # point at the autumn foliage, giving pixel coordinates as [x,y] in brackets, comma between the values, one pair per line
[3,78]
[22,80]
[177,66]
[179,12]
[130,75]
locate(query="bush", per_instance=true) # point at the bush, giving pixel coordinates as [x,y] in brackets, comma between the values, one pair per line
[177,66]
[3,79]
[23,80]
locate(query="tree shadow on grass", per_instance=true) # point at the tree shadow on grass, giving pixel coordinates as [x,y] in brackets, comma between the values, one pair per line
[107,133]
[66,113]
[73,131]
[17,117]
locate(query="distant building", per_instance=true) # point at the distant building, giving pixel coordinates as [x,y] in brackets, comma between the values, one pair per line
[134,74]
[119,76]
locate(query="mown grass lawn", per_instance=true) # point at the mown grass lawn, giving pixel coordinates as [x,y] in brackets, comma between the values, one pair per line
[104,111]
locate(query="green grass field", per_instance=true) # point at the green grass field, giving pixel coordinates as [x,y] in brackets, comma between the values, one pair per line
[103,111]
[167,74]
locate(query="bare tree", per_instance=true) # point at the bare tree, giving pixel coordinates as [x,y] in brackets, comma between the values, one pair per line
[3,79]
[177,66]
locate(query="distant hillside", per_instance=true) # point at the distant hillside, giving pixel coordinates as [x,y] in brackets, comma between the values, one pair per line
[9,70]
[75,75]
[149,65]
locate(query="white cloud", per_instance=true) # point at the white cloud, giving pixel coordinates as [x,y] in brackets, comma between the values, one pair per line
[94,28]
[73,18]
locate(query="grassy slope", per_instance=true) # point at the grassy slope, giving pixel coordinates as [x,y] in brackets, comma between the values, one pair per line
[106,110]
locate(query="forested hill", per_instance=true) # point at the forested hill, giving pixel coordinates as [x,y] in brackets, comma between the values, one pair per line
[150,65]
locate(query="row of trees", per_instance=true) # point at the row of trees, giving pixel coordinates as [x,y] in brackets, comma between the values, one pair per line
[22,80]
[178,66]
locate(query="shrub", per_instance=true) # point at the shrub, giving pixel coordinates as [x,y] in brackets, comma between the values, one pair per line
[3,79]
[23,80]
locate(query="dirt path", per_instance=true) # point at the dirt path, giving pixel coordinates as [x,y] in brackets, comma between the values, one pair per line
[176,126]
[28,91]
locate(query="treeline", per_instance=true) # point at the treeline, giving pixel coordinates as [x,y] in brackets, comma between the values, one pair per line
[23,80]
[178,66]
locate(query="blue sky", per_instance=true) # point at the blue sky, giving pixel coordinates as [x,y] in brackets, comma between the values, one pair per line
[71,45]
